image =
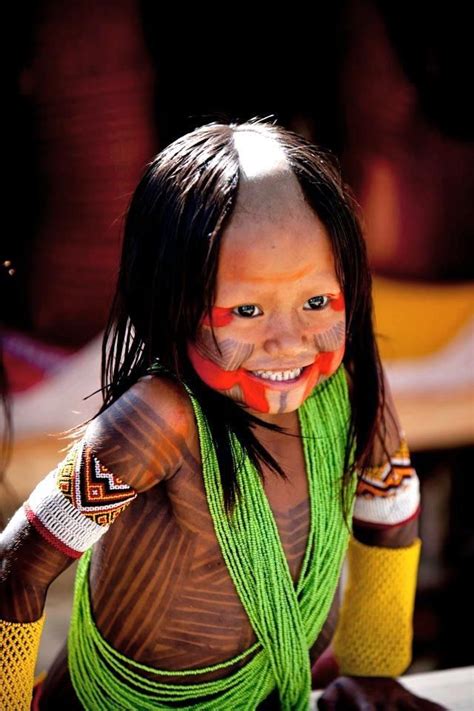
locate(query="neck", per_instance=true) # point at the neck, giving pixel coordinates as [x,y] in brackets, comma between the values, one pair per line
[288,420]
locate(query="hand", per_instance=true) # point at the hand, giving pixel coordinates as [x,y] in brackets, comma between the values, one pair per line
[365,693]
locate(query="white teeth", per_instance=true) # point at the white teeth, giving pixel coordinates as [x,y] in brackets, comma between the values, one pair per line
[278,374]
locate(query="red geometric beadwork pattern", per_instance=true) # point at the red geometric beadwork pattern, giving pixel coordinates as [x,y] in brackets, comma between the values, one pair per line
[384,481]
[91,488]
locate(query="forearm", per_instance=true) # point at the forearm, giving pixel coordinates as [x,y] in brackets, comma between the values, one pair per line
[374,633]
[53,528]
[399,536]
[20,602]
[19,643]
[28,566]
[21,619]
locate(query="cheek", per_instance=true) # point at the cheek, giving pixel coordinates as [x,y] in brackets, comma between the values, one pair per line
[234,383]
[332,338]
[208,370]
[330,345]
[229,353]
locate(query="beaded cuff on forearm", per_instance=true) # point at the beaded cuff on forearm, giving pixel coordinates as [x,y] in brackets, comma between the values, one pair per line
[19,644]
[374,631]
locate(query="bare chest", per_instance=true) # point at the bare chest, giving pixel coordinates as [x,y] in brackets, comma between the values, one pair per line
[160,588]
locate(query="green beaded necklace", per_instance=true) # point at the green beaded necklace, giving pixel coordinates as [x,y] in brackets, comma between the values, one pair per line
[286,620]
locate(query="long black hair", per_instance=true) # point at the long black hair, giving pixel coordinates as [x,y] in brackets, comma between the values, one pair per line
[167,282]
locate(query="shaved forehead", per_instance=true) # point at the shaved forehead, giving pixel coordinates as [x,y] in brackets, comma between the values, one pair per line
[267,185]
[273,233]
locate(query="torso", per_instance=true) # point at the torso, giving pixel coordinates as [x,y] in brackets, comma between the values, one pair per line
[161,592]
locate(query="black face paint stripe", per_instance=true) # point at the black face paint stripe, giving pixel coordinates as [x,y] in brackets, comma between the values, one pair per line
[332,339]
[283,402]
[233,353]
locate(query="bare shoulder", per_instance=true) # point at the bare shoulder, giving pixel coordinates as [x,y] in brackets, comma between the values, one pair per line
[146,435]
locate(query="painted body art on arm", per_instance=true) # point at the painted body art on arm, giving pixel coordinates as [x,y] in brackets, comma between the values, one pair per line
[141,439]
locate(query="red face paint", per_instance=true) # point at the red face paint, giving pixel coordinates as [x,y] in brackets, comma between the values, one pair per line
[325,365]
[219,379]
[255,391]
[338,303]
[219,317]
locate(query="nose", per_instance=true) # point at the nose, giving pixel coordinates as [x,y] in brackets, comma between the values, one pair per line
[286,338]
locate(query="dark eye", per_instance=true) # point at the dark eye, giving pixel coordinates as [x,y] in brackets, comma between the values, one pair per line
[247,310]
[316,303]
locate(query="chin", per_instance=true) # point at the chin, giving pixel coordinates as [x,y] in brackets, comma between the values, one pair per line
[279,403]
[289,405]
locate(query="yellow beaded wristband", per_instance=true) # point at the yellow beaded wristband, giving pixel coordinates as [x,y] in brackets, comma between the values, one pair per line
[19,644]
[374,632]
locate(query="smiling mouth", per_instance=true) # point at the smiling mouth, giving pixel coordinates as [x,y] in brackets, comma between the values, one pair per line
[279,376]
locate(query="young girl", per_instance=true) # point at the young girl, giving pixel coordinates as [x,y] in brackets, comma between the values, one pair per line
[246,430]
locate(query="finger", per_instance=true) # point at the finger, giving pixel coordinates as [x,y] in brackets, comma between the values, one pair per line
[328,701]
[427,705]
[419,703]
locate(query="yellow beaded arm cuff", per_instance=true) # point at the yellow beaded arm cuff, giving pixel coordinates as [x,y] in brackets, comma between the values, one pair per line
[374,632]
[19,644]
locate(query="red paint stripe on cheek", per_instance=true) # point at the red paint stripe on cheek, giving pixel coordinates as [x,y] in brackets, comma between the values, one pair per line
[325,361]
[254,394]
[212,374]
[219,317]
[313,378]
[325,364]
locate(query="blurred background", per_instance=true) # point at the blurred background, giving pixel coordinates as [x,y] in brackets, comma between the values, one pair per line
[94,89]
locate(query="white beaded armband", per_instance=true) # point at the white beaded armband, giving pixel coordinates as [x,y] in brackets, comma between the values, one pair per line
[388,495]
[77,502]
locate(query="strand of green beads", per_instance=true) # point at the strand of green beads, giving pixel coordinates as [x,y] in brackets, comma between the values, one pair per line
[286,621]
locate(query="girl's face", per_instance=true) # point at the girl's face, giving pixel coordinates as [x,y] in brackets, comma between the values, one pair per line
[279,318]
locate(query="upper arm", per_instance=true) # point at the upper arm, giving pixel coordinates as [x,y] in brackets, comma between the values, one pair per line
[137,442]
[388,494]
[143,437]
[127,449]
